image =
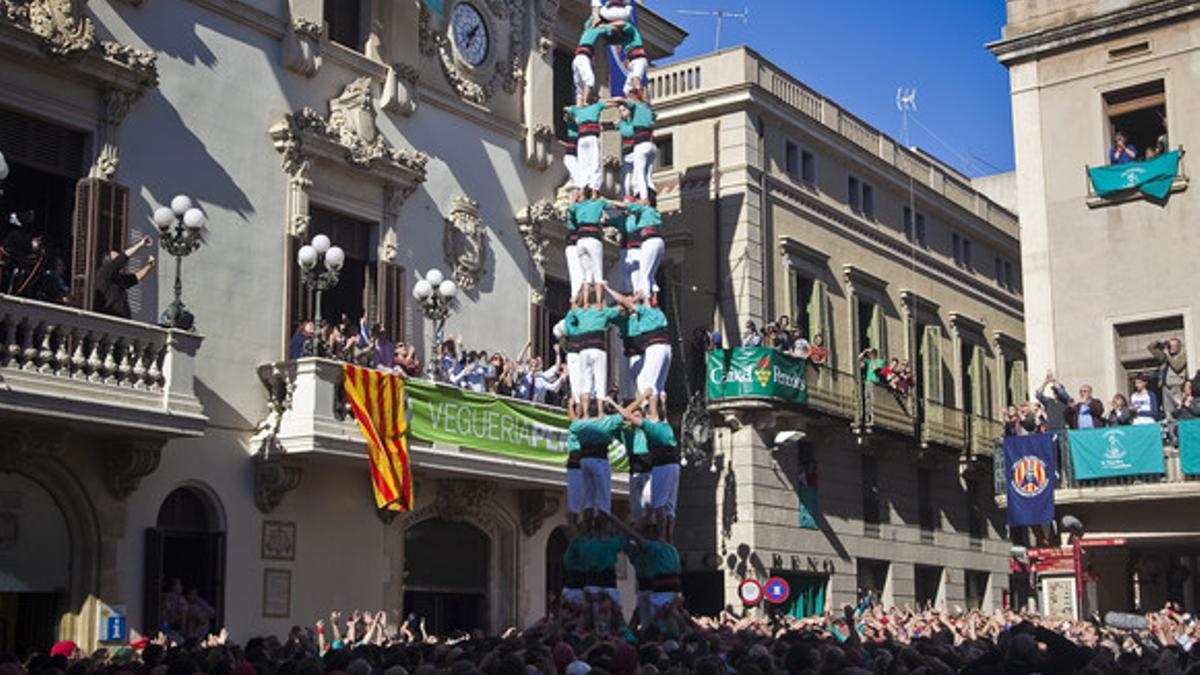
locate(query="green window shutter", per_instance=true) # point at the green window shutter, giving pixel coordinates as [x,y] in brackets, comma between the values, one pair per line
[878,331]
[978,386]
[794,298]
[818,312]
[931,363]
[1018,386]
[988,410]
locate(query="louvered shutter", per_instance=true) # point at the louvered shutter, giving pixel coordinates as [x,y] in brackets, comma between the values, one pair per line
[978,384]
[1018,387]
[389,297]
[99,225]
[794,298]
[878,331]
[818,312]
[931,363]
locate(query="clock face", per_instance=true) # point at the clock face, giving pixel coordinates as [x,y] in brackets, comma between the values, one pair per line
[470,33]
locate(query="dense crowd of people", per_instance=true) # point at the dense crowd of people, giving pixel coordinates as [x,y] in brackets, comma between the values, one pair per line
[866,639]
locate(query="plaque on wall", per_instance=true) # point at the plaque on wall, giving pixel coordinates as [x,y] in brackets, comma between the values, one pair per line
[277,593]
[278,540]
[1058,597]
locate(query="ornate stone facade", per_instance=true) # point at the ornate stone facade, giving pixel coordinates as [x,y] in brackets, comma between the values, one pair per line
[534,223]
[400,90]
[507,73]
[302,47]
[465,243]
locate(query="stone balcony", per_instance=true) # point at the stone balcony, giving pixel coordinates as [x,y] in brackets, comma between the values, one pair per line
[309,422]
[64,366]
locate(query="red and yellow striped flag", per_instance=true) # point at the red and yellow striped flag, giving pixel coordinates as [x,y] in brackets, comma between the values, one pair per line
[377,399]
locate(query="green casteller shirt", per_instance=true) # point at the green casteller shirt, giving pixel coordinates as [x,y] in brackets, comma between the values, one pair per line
[573,442]
[587,113]
[647,216]
[597,430]
[643,114]
[630,39]
[592,320]
[659,434]
[600,555]
[588,212]
[652,559]
[571,322]
[592,34]
[573,559]
[873,368]
[646,320]
[626,128]
[572,127]
[634,440]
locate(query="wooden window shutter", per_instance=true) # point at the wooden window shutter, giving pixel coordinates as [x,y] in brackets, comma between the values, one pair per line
[794,298]
[878,331]
[978,385]
[818,313]
[987,411]
[1018,389]
[389,299]
[100,224]
[931,363]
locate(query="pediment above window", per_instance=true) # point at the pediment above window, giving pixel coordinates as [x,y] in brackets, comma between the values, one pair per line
[61,33]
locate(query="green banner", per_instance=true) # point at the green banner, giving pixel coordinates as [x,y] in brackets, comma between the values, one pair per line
[1153,177]
[492,424]
[1189,447]
[756,372]
[1117,451]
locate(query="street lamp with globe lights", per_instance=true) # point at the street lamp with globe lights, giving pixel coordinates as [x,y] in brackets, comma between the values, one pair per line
[435,293]
[320,265]
[179,227]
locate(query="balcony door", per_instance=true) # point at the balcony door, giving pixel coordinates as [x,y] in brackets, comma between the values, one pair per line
[185,566]
[446,575]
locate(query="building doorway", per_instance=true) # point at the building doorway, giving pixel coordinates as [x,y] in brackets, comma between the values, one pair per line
[35,557]
[806,593]
[185,566]
[556,548]
[446,575]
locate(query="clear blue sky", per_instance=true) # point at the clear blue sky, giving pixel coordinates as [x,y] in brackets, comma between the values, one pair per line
[857,52]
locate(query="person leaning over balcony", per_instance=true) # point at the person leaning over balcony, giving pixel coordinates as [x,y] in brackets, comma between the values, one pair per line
[1121,152]
[1119,412]
[405,360]
[818,353]
[1144,402]
[872,370]
[751,338]
[1087,412]
[1172,369]
[113,282]
[1187,407]
[303,334]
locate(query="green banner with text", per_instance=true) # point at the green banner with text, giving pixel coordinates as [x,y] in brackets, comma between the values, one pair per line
[756,372]
[491,424]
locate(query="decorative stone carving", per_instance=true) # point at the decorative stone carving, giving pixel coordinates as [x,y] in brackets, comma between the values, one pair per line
[533,223]
[508,73]
[65,31]
[126,463]
[105,165]
[19,447]
[302,47]
[547,15]
[400,90]
[611,181]
[141,61]
[279,385]
[465,242]
[463,499]
[539,147]
[535,507]
[349,136]
[274,478]
[389,246]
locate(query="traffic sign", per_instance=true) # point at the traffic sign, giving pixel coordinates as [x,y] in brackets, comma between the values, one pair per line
[750,591]
[777,590]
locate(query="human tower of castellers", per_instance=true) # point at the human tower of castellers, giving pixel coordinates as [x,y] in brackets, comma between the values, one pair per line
[638,422]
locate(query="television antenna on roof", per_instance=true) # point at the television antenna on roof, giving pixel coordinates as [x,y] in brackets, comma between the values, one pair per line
[720,14]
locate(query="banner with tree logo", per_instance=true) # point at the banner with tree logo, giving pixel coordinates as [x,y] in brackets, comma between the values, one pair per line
[756,372]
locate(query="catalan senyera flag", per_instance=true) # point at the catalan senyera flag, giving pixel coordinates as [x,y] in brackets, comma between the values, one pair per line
[377,399]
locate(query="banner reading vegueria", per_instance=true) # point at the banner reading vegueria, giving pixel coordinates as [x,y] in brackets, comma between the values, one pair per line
[756,372]
[489,423]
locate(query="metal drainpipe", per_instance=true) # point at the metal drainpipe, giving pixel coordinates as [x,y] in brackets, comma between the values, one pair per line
[716,178]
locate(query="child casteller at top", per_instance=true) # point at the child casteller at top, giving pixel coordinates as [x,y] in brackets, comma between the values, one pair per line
[610,20]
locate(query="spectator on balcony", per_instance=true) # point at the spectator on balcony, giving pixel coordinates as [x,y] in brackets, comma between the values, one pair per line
[1144,402]
[1055,400]
[1119,412]
[1187,406]
[404,360]
[818,354]
[871,367]
[113,282]
[1121,152]
[1087,412]
[1172,370]
[1012,421]
[751,338]
[800,346]
[304,333]
[52,285]
[781,338]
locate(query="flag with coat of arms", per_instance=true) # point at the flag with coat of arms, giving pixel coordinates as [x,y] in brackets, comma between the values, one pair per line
[1029,472]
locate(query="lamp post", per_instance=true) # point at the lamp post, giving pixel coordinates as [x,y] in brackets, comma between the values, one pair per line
[435,293]
[320,264]
[179,228]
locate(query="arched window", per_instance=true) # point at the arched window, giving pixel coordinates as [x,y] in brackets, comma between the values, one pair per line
[556,548]
[446,574]
[185,566]
[35,546]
